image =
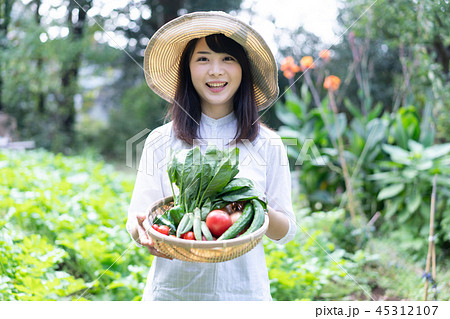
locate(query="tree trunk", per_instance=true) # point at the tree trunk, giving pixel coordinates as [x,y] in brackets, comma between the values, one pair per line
[41,96]
[76,20]
[5,11]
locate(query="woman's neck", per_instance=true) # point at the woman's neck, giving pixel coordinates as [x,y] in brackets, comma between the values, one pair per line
[217,113]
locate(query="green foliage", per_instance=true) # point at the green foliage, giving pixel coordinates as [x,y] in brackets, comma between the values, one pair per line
[412,42]
[63,230]
[313,266]
[138,110]
[405,182]
[392,159]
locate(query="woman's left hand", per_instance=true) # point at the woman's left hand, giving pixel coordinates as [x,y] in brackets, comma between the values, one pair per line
[145,240]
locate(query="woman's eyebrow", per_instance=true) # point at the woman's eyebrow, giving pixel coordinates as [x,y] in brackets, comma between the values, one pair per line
[202,52]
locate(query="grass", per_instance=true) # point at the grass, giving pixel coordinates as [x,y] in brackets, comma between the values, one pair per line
[394,276]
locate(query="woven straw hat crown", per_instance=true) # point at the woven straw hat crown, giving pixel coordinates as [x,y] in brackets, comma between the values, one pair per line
[163,53]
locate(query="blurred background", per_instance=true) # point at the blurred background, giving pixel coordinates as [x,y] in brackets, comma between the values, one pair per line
[72,92]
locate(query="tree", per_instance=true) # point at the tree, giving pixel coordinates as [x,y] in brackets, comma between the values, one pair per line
[413,36]
[5,18]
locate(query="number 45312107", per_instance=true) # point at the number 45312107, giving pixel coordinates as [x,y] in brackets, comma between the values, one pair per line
[407,310]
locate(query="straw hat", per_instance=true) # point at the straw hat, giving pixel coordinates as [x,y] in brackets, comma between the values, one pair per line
[163,53]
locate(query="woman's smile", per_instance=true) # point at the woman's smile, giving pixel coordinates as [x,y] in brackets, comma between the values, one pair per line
[216,87]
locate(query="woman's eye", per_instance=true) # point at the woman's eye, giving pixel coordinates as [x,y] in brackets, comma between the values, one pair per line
[229,58]
[202,59]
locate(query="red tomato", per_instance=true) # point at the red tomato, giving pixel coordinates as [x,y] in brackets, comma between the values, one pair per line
[218,222]
[155,227]
[163,229]
[189,235]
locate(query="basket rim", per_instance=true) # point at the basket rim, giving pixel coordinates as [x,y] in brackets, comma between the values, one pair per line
[201,244]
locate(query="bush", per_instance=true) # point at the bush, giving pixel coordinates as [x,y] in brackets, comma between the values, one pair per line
[63,230]
[313,266]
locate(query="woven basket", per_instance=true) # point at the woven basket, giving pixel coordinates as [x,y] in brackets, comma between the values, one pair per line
[199,251]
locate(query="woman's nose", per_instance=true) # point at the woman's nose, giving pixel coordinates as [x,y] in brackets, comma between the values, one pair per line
[216,68]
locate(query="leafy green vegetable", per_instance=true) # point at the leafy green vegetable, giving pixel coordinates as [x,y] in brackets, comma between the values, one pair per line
[200,178]
[241,195]
[235,184]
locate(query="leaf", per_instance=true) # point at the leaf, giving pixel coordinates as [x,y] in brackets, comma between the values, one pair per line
[285,116]
[392,207]
[410,173]
[413,203]
[400,132]
[242,194]
[237,183]
[415,146]
[377,130]
[353,109]
[376,111]
[206,208]
[424,165]
[390,191]
[221,175]
[189,177]
[337,129]
[436,151]
[397,154]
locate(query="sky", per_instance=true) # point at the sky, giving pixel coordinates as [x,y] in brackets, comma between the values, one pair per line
[316,16]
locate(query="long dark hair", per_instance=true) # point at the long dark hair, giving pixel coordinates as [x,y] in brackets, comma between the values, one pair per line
[187,100]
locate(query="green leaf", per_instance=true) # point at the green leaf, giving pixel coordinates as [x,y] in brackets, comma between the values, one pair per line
[242,194]
[415,146]
[424,165]
[413,203]
[235,184]
[397,154]
[401,136]
[337,129]
[377,129]
[436,151]
[353,109]
[390,191]
[285,116]
[410,173]
[221,176]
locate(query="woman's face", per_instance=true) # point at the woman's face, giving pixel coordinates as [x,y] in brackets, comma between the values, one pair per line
[216,77]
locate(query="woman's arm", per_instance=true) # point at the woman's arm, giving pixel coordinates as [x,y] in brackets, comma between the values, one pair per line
[278,224]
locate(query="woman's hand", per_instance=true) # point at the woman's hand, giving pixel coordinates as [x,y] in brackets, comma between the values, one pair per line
[145,240]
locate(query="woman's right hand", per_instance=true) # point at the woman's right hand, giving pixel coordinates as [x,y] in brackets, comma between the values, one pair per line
[145,240]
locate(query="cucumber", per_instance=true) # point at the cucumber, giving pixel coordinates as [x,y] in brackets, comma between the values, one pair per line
[205,231]
[258,218]
[197,224]
[185,224]
[240,224]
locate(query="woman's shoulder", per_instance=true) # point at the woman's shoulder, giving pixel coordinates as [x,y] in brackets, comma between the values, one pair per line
[165,129]
[267,132]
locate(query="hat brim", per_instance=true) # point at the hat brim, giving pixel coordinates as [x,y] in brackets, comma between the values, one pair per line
[163,53]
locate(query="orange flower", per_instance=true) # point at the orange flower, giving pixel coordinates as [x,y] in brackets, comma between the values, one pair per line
[306,63]
[332,83]
[289,67]
[325,55]
[288,74]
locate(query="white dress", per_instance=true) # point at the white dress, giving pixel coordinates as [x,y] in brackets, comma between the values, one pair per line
[265,162]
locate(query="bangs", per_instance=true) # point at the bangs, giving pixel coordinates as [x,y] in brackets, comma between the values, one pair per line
[220,43]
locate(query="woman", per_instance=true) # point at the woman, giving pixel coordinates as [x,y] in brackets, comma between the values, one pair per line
[217,72]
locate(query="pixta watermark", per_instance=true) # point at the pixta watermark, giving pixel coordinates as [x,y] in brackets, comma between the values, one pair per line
[150,151]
